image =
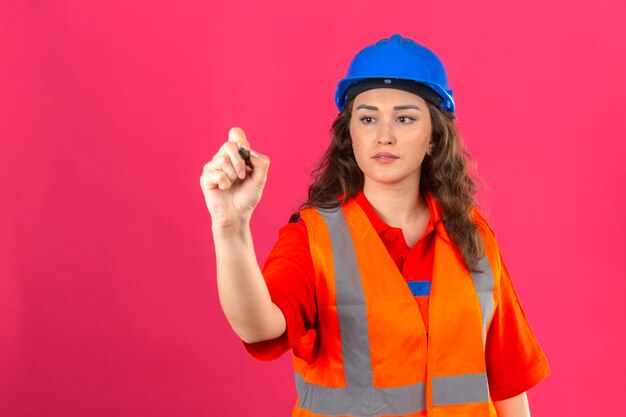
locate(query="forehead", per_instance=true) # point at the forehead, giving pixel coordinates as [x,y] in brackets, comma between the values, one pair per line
[388,95]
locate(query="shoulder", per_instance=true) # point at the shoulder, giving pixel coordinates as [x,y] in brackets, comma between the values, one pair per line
[490,242]
[293,232]
[290,250]
[483,226]
[292,242]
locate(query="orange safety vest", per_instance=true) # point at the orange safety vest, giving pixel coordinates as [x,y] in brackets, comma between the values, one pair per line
[375,357]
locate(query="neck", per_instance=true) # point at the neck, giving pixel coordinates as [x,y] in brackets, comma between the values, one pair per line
[397,204]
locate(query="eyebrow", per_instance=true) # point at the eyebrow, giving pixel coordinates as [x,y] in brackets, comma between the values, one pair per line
[374,108]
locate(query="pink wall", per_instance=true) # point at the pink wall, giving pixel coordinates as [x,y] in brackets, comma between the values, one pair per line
[108,111]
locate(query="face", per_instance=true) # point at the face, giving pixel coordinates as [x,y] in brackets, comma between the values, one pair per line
[391,131]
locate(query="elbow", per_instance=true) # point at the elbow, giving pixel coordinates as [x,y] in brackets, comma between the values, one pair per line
[251,338]
[256,335]
[255,327]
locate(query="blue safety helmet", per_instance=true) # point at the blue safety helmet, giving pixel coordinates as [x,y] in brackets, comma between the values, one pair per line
[400,63]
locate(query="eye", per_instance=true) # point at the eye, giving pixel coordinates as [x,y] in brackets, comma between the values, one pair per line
[367,119]
[405,119]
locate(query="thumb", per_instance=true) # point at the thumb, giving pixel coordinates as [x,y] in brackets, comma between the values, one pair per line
[260,166]
[237,135]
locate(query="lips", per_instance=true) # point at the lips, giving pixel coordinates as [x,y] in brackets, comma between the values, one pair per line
[385,155]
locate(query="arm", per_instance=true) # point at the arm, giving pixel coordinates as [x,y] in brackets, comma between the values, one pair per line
[231,192]
[242,290]
[513,407]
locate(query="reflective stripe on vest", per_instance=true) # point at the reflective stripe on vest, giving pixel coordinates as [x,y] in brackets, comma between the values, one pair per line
[360,397]
[460,389]
[483,283]
[365,401]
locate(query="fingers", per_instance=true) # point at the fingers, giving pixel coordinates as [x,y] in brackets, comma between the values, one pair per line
[237,165]
[212,179]
[227,165]
[260,164]
[221,163]
[225,168]
[237,135]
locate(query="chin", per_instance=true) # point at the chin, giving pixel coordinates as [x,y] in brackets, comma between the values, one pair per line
[387,179]
[390,178]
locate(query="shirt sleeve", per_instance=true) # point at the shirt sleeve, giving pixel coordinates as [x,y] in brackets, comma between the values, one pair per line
[515,361]
[290,277]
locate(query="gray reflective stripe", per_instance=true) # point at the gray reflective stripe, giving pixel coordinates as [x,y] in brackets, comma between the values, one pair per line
[460,389]
[483,283]
[360,401]
[355,344]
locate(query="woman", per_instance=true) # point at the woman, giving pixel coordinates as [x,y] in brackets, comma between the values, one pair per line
[387,285]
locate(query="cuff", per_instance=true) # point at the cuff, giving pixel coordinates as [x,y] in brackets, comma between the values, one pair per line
[523,383]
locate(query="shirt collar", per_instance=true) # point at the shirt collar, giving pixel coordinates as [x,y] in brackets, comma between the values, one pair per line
[378,223]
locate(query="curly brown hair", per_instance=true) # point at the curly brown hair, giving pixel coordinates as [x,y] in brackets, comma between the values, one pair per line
[444,174]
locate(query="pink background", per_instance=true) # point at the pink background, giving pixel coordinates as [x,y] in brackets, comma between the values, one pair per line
[109,110]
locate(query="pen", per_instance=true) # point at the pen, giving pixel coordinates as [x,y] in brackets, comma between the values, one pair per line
[245,155]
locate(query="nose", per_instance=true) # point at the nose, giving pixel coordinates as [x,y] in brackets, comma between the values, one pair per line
[385,133]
